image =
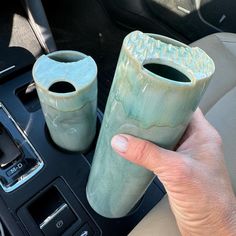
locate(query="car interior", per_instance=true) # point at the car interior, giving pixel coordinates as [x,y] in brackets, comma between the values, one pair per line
[43,186]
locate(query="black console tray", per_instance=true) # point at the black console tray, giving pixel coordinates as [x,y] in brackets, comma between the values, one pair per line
[71,169]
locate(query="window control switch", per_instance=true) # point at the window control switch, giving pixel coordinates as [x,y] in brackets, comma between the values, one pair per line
[85,231]
[8,149]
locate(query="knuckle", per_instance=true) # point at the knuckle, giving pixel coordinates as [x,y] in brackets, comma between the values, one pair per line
[179,173]
[142,152]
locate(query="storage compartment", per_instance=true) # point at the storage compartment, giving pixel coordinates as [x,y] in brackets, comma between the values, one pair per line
[29,97]
[55,211]
[51,213]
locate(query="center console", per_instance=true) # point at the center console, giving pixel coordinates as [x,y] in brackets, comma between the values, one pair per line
[42,187]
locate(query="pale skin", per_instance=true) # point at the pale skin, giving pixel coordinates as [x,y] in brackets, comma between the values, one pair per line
[195,177]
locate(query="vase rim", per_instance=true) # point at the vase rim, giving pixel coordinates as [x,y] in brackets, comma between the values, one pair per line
[57,58]
[193,62]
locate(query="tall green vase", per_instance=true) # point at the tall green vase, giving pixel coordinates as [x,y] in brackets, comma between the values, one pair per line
[157,86]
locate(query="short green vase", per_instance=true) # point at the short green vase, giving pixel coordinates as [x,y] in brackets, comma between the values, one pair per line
[66,83]
[157,86]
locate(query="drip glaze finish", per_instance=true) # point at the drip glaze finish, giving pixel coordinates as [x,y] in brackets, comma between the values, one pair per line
[146,105]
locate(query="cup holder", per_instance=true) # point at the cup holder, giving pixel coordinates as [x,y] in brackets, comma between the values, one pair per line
[27,94]
[135,208]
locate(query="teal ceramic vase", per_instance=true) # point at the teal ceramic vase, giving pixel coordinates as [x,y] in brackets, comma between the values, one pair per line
[66,83]
[157,86]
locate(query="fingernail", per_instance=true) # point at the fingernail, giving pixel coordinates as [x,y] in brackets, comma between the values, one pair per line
[119,143]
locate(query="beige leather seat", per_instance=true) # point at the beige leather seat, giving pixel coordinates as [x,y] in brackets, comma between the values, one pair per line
[219,106]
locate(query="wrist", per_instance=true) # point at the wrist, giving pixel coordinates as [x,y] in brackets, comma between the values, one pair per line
[227,223]
[220,221]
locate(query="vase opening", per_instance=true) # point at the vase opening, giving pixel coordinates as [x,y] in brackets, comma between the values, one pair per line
[62,87]
[66,57]
[167,72]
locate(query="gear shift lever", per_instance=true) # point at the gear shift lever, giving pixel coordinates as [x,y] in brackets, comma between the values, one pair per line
[19,161]
[8,148]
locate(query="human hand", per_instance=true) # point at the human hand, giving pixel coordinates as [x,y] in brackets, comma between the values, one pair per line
[195,177]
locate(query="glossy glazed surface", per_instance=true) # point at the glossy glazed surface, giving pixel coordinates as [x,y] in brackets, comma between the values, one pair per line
[70,116]
[146,105]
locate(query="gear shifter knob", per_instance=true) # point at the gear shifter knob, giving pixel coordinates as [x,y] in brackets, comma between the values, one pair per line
[8,148]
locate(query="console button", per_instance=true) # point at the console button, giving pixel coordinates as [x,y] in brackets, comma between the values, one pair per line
[58,221]
[17,169]
[10,175]
[85,231]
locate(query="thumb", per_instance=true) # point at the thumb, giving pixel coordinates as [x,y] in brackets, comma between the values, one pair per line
[144,153]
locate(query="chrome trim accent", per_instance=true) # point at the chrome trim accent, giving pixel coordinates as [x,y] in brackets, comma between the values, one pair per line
[223,17]
[2,232]
[184,10]
[7,69]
